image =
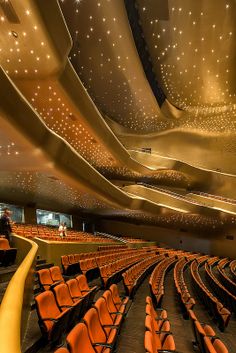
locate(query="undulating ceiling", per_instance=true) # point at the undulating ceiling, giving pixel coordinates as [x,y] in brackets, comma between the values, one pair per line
[142,91]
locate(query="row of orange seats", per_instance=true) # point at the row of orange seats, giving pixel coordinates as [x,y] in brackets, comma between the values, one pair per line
[101,325]
[75,263]
[220,314]
[158,337]
[72,263]
[62,306]
[133,277]
[224,277]
[112,272]
[205,339]
[49,233]
[156,281]
[112,247]
[133,240]
[232,267]
[186,300]
[224,294]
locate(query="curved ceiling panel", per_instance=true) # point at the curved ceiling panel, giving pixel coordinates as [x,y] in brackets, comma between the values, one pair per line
[53,158]
[58,95]
[105,56]
[43,166]
[185,53]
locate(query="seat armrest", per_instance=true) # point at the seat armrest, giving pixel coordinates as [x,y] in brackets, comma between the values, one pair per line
[111,326]
[53,285]
[102,345]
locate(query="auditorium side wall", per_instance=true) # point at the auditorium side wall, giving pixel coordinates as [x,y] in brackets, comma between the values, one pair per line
[215,244]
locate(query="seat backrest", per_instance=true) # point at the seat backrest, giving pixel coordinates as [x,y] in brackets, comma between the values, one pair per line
[214,345]
[74,288]
[95,330]
[192,315]
[115,294]
[56,273]
[78,340]
[71,259]
[110,304]
[168,343]
[149,342]
[199,335]
[47,307]
[103,313]
[219,346]
[83,284]
[62,295]
[65,260]
[4,244]
[45,278]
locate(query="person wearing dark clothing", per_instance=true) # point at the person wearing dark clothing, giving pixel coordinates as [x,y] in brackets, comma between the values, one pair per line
[5,224]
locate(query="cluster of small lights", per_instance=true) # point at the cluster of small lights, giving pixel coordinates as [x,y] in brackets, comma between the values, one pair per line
[162,177]
[42,186]
[9,149]
[122,96]
[47,98]
[107,71]
[17,57]
[62,119]
[54,110]
[181,220]
[195,75]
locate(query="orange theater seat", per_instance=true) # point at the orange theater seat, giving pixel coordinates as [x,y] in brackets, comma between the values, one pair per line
[97,334]
[76,294]
[84,287]
[108,322]
[56,274]
[157,314]
[161,325]
[45,279]
[214,345]
[159,342]
[7,254]
[118,301]
[79,342]
[111,306]
[64,301]
[200,330]
[52,322]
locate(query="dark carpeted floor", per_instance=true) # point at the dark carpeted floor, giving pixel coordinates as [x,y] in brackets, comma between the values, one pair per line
[132,335]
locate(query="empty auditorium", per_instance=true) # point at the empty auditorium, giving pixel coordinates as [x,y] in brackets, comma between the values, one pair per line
[117,176]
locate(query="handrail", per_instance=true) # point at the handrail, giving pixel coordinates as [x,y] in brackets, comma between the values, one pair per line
[12,304]
[112,237]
